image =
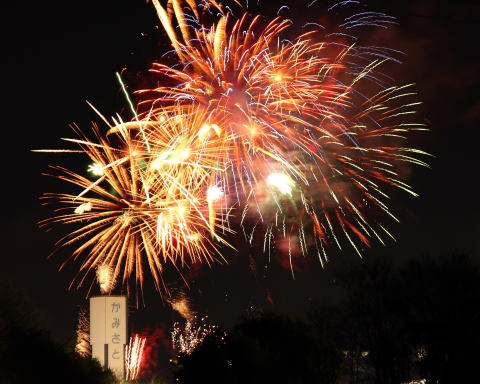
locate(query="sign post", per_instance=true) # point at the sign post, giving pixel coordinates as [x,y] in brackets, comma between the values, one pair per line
[108,331]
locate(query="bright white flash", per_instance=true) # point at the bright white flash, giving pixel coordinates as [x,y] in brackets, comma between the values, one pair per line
[95,169]
[282,182]
[214,193]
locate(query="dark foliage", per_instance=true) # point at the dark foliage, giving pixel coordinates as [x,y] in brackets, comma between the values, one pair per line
[443,318]
[390,325]
[28,355]
[394,325]
[265,349]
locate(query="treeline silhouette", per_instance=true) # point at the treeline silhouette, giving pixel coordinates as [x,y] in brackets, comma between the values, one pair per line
[389,325]
[29,355]
[385,325]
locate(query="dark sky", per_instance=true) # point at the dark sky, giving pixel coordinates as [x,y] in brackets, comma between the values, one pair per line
[60,54]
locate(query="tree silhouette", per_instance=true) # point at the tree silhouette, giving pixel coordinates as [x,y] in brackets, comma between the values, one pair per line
[373,320]
[398,324]
[265,349]
[444,317]
[28,355]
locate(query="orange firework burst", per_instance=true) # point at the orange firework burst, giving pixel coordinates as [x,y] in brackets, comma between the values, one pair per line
[146,204]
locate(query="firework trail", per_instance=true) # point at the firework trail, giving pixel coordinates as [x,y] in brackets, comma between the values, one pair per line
[134,357]
[83,346]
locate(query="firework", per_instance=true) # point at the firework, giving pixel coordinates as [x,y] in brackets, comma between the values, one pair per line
[292,133]
[311,133]
[181,304]
[105,278]
[134,356]
[147,205]
[83,346]
[186,337]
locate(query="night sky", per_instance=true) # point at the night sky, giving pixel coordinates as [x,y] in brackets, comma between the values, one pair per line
[60,54]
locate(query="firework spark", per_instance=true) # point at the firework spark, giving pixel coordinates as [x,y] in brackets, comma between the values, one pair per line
[186,337]
[95,169]
[134,356]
